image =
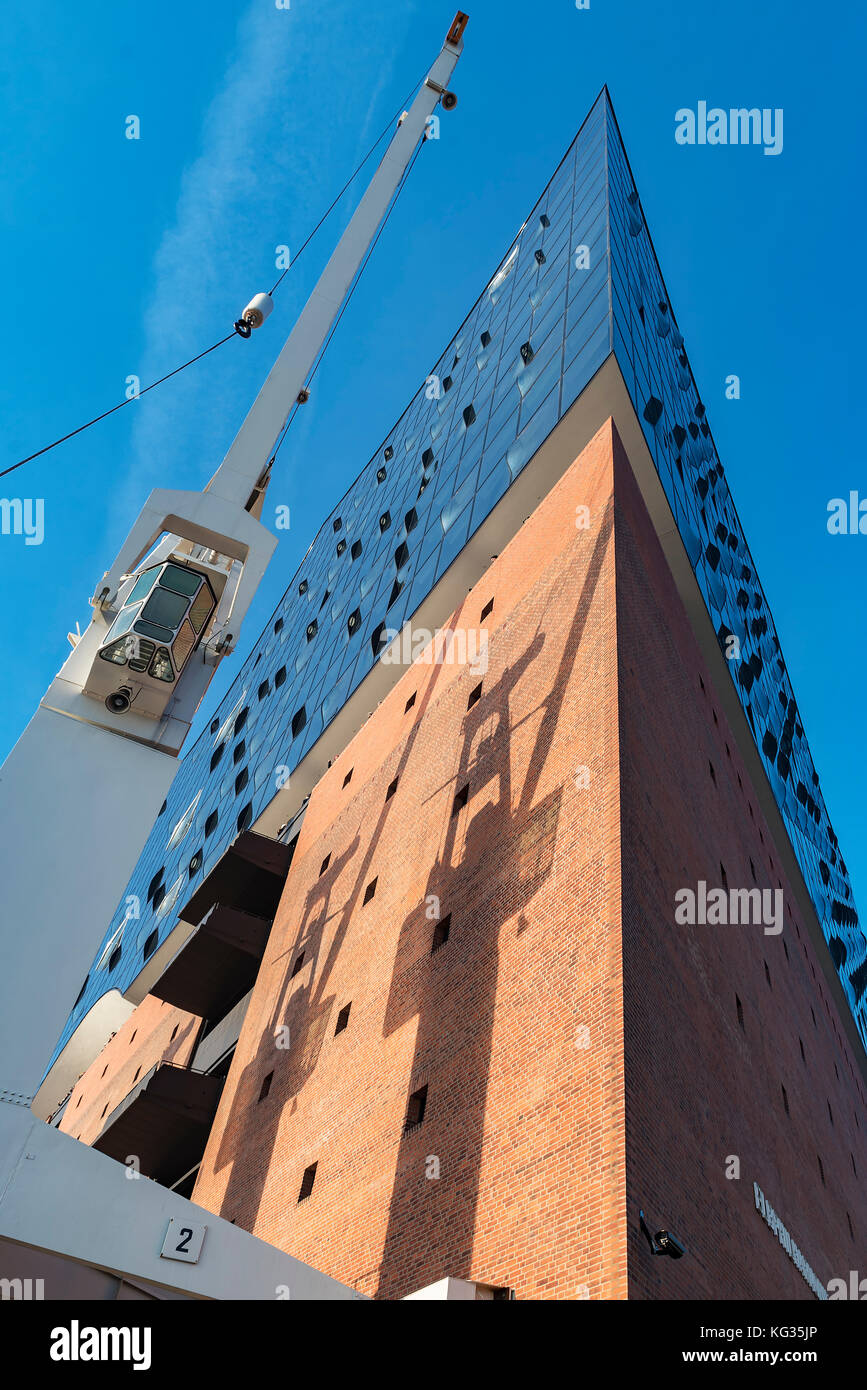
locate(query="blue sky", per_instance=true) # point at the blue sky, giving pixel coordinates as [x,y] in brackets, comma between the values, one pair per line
[125,257]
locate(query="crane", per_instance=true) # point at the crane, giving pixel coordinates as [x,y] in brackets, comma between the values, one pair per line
[81,788]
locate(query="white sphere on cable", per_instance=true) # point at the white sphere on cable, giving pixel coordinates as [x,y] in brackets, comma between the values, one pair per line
[258,310]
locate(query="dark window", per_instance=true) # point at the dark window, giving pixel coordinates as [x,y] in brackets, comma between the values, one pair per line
[803,1053]
[246,816]
[461,799]
[540,257]
[279,677]
[215,724]
[392,788]
[307,1183]
[326,861]
[195,863]
[753,871]
[356,550]
[217,755]
[722,874]
[785,1099]
[266,1085]
[137,1075]
[441,933]
[475,696]
[241,720]
[486,338]
[299,961]
[416,1108]
[155,883]
[241,780]
[341,546]
[401,555]
[469,415]
[740,1009]
[312,629]
[487,610]
[114,958]
[369,891]
[211,823]
[830,1113]
[378,638]
[385,521]
[409,704]
[348,778]
[174,1033]
[299,719]
[821,1170]
[150,946]
[527,353]
[239,751]
[381,475]
[388,453]
[410,521]
[264,688]
[354,621]
[336,523]
[395,593]
[342,1019]
[712,773]
[278,626]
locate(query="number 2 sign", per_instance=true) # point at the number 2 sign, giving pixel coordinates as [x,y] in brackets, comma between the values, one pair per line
[184,1240]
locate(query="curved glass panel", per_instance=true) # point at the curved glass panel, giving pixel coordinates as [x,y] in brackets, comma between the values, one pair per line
[116,653]
[162,634]
[181,581]
[161,666]
[165,608]
[142,585]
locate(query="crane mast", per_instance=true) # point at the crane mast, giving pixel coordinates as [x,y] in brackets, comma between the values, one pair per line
[82,787]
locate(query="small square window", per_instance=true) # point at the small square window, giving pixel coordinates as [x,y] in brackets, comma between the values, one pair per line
[299,961]
[487,610]
[369,891]
[266,1085]
[475,696]
[392,788]
[441,933]
[416,1108]
[461,799]
[342,1019]
[307,1182]
[326,861]
[348,778]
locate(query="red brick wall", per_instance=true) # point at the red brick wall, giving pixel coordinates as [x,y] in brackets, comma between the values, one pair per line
[155,1032]
[515,1024]
[699,1088]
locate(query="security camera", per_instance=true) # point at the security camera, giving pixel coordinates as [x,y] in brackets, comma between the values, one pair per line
[119,700]
[663,1242]
[450,101]
[667,1243]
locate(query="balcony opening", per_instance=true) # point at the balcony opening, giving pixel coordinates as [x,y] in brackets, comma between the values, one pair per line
[416,1108]
[441,933]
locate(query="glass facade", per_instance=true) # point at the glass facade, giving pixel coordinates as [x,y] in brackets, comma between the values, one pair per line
[581,280]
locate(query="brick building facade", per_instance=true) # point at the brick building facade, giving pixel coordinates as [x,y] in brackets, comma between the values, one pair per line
[478,1041]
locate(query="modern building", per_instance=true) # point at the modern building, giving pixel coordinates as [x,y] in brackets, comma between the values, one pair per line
[500,900]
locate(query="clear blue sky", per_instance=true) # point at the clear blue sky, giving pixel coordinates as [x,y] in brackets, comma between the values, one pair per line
[125,257]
